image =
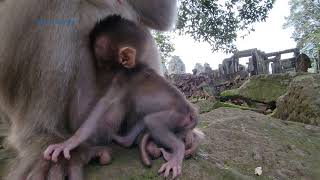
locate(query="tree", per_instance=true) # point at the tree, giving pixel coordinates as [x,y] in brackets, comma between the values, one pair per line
[305,19]
[176,66]
[165,45]
[218,22]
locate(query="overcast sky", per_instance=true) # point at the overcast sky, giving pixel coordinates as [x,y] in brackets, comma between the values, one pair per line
[269,36]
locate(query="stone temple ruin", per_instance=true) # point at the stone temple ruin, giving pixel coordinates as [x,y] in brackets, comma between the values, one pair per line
[259,62]
[231,74]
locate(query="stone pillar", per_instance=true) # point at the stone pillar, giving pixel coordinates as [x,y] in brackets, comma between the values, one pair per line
[318,62]
[221,72]
[276,67]
[236,64]
[260,63]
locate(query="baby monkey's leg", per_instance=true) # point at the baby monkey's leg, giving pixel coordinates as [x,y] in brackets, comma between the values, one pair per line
[128,139]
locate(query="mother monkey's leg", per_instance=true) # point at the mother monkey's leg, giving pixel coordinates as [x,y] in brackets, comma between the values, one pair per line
[42,44]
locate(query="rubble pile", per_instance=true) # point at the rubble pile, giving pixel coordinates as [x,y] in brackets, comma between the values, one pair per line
[205,85]
[191,85]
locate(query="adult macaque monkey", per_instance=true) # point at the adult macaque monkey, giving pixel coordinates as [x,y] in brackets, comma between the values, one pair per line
[146,101]
[42,45]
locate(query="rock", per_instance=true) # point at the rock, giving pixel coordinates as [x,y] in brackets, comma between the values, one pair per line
[234,140]
[301,102]
[205,106]
[262,88]
[243,140]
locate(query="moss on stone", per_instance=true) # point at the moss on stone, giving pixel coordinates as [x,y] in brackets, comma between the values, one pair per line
[207,106]
[283,149]
[301,103]
[261,88]
[230,93]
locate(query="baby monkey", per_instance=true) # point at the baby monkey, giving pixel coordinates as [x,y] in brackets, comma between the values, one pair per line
[138,97]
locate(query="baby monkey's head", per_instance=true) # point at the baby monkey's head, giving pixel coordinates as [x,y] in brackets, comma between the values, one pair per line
[116,41]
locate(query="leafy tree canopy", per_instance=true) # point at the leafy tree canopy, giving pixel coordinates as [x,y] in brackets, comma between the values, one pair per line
[218,22]
[165,45]
[305,19]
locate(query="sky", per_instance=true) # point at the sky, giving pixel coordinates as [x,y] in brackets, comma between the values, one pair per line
[268,36]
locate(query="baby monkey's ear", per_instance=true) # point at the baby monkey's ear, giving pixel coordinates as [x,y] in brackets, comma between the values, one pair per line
[127,57]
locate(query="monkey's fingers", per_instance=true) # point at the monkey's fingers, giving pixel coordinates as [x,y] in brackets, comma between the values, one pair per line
[176,172]
[167,171]
[179,172]
[47,153]
[167,167]
[66,153]
[56,154]
[162,168]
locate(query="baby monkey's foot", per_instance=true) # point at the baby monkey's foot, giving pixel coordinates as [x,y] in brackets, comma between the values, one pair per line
[172,165]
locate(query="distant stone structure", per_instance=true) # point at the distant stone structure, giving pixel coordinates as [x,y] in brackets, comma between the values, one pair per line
[259,62]
[198,69]
[176,66]
[194,71]
[207,68]
[231,74]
